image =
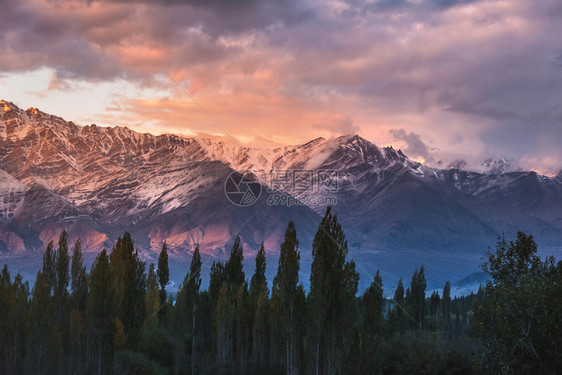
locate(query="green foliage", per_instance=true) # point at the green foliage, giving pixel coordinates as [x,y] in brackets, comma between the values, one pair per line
[158,344]
[133,363]
[62,260]
[258,306]
[333,286]
[101,313]
[234,273]
[370,332]
[217,278]
[285,290]
[79,278]
[152,299]
[109,321]
[258,279]
[129,281]
[49,268]
[14,318]
[163,277]
[419,353]
[416,298]
[192,281]
[518,320]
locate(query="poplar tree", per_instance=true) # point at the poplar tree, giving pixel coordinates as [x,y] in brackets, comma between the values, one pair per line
[163,279]
[234,272]
[446,308]
[49,270]
[101,311]
[285,286]
[129,280]
[258,278]
[333,286]
[259,302]
[14,319]
[45,338]
[152,298]
[371,329]
[399,306]
[79,278]
[78,297]
[416,297]
[217,277]
[188,296]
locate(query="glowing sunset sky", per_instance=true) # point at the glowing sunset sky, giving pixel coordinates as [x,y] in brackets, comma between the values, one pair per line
[448,79]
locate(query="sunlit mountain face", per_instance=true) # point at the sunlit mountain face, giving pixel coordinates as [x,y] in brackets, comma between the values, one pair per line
[97,182]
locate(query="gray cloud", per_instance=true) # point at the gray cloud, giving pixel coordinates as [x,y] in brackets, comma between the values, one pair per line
[415,147]
[496,67]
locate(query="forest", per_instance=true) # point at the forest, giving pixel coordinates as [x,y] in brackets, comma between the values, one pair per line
[119,319]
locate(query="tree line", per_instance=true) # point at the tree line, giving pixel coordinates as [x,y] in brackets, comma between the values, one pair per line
[119,319]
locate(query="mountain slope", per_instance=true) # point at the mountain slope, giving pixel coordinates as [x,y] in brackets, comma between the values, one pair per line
[397,214]
[106,180]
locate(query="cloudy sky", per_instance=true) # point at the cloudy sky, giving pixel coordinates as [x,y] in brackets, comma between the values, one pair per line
[441,79]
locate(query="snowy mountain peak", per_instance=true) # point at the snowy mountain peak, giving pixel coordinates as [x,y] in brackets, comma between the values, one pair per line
[99,181]
[392,155]
[458,164]
[496,165]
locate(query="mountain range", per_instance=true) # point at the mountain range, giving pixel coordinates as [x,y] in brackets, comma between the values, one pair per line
[397,214]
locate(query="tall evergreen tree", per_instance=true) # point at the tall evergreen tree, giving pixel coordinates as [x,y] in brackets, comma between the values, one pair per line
[259,302]
[258,278]
[62,260]
[152,298]
[129,280]
[371,329]
[234,267]
[188,297]
[79,295]
[79,278]
[399,306]
[217,277]
[285,286]
[163,279]
[49,269]
[434,303]
[224,325]
[62,276]
[14,319]
[416,297]
[45,339]
[101,311]
[446,308]
[333,286]
[232,322]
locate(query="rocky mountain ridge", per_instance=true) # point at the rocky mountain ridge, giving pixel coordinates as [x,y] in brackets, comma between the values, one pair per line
[397,213]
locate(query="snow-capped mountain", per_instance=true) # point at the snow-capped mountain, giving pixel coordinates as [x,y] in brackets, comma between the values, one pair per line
[397,214]
[98,182]
[496,165]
